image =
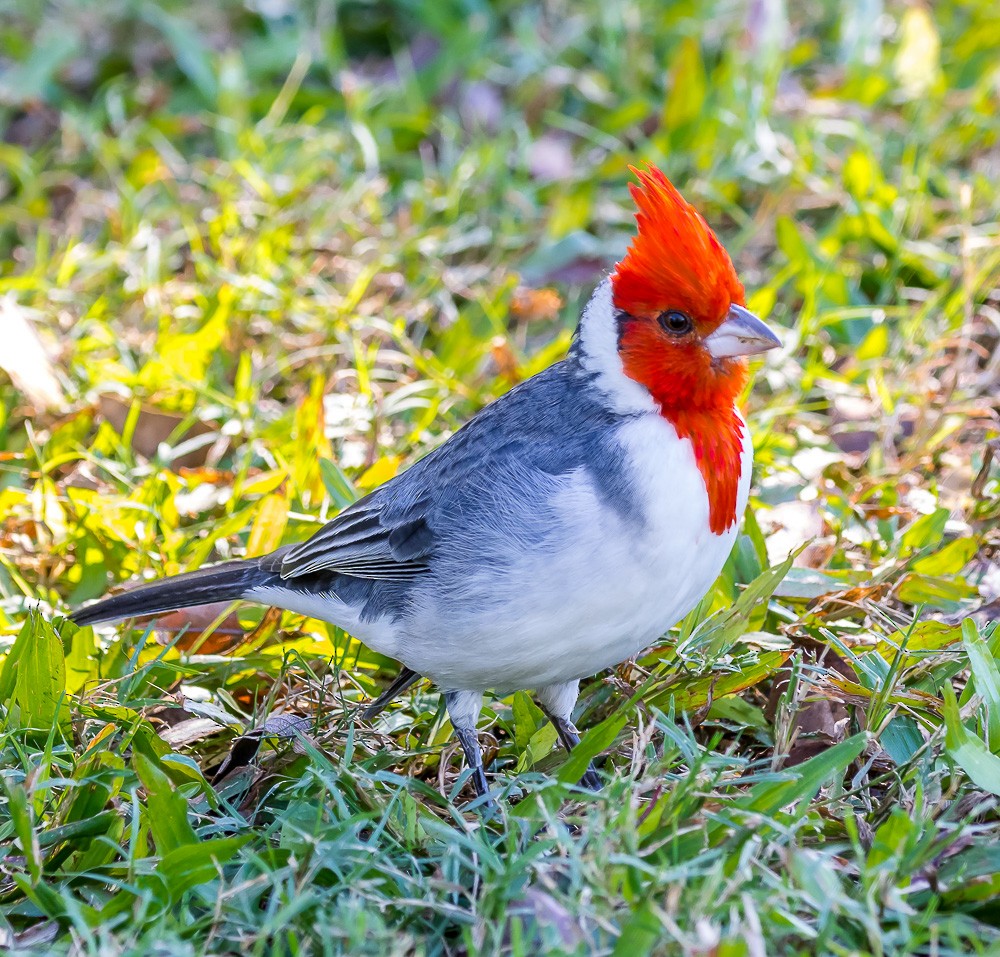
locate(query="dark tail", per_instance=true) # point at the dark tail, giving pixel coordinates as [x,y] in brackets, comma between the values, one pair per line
[226,582]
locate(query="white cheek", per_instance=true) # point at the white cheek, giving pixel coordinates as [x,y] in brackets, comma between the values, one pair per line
[599,345]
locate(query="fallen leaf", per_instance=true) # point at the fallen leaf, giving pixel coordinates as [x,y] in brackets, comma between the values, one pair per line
[504,359]
[536,305]
[188,731]
[191,624]
[153,427]
[788,524]
[25,359]
[818,721]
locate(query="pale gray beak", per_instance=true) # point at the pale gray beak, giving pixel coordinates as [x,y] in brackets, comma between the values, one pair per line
[741,334]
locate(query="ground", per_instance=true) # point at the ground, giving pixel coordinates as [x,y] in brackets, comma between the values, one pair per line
[256,257]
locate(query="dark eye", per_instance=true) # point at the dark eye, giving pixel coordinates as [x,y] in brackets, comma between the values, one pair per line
[674,322]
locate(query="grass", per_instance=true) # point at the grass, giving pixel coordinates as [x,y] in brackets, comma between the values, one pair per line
[273,253]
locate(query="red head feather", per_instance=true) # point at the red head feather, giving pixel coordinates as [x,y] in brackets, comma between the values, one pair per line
[675,261]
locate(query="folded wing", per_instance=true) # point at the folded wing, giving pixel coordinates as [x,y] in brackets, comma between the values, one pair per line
[364,542]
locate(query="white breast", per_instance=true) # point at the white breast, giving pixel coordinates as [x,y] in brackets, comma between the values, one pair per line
[610,590]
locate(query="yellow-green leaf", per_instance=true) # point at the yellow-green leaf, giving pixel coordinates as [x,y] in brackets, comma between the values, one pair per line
[269,525]
[41,676]
[968,751]
[688,86]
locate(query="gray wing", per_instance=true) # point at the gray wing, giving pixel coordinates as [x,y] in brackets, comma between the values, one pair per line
[488,478]
[364,542]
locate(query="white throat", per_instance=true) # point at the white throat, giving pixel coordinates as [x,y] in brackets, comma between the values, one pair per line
[599,355]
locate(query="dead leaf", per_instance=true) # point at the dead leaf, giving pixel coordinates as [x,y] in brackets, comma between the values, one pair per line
[789,524]
[818,720]
[845,603]
[25,359]
[979,483]
[504,359]
[536,305]
[189,731]
[191,624]
[153,427]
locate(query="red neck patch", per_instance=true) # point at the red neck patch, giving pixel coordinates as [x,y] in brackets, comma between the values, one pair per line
[717,438]
[697,397]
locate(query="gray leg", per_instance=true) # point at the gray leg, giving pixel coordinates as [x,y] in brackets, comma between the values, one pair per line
[463,709]
[558,702]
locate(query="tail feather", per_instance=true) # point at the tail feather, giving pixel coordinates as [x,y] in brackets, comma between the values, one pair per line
[226,582]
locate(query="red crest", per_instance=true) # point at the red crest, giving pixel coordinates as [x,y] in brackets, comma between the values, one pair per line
[675,260]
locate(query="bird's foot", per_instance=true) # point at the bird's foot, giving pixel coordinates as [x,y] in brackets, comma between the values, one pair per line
[570,738]
[469,740]
[591,780]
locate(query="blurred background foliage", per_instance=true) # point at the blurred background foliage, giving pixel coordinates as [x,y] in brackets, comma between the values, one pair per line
[257,256]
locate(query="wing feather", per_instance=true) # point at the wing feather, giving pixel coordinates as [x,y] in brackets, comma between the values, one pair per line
[364,542]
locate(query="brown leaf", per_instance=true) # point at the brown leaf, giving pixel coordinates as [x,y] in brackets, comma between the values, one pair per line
[25,359]
[189,731]
[845,603]
[979,483]
[504,359]
[818,721]
[788,525]
[153,427]
[192,624]
[212,476]
[536,305]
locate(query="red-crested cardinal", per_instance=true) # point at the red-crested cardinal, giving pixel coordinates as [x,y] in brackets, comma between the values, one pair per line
[564,528]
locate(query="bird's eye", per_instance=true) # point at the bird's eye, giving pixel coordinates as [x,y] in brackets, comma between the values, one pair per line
[674,322]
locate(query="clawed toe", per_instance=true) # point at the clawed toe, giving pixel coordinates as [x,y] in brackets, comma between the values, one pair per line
[591,780]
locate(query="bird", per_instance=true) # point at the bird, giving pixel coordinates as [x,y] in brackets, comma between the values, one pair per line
[565,527]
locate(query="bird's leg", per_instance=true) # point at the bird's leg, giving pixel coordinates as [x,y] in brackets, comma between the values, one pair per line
[463,709]
[570,738]
[558,702]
